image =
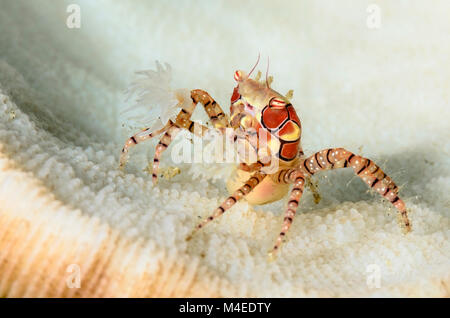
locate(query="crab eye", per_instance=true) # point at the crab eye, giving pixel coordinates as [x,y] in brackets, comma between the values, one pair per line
[237,76]
[240,76]
[235,95]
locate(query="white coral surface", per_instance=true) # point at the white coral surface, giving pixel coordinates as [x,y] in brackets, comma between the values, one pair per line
[380,92]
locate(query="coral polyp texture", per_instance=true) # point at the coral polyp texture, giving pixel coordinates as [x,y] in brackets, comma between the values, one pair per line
[73,224]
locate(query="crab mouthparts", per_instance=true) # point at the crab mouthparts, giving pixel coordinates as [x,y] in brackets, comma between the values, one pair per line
[249,109]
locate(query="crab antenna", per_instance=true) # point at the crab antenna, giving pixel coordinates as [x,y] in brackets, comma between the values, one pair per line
[267,73]
[257,61]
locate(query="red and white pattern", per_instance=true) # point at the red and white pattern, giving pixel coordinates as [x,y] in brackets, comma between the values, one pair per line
[278,103]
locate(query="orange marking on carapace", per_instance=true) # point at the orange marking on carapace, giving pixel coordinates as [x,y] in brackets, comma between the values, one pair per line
[272,118]
[289,131]
[289,150]
[293,115]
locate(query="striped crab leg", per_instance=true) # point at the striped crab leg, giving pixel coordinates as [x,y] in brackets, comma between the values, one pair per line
[162,145]
[218,118]
[367,170]
[249,185]
[141,136]
[296,177]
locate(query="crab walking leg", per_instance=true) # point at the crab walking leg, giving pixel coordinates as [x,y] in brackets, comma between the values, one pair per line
[162,145]
[141,136]
[297,178]
[218,118]
[253,166]
[249,185]
[364,168]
